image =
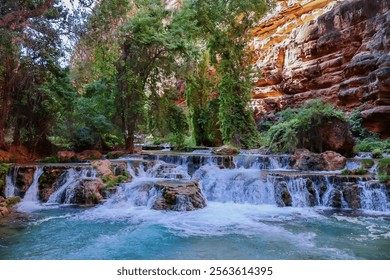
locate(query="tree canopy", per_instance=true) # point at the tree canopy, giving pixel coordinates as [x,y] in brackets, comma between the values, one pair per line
[178,72]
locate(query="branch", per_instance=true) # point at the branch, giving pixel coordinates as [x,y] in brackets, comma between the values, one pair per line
[15,20]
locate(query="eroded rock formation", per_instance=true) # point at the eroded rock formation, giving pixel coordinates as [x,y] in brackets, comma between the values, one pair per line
[334,50]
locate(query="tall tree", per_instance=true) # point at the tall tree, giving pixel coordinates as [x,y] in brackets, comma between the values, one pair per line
[30,49]
[26,43]
[152,42]
[225,27]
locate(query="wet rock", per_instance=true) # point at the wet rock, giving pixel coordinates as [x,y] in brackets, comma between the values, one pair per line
[49,181]
[120,169]
[328,161]
[312,192]
[225,150]
[323,189]
[351,195]
[336,198]
[334,161]
[103,167]
[282,195]
[305,160]
[179,196]
[108,192]
[92,189]
[3,211]
[24,178]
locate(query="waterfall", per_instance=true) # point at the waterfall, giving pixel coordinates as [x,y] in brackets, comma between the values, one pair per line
[71,186]
[32,192]
[241,179]
[10,183]
[31,200]
[374,196]
[234,185]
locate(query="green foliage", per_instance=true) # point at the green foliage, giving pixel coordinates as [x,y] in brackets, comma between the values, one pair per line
[111,182]
[383,177]
[224,30]
[367,163]
[384,169]
[3,172]
[11,201]
[346,172]
[370,145]
[297,127]
[202,109]
[357,129]
[51,159]
[360,171]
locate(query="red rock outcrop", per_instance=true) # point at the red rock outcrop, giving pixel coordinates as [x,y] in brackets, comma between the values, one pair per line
[335,50]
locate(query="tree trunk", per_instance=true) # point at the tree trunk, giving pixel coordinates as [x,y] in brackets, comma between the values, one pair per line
[4,102]
[130,136]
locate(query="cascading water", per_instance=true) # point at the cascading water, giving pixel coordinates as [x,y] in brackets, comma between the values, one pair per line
[243,218]
[237,185]
[70,183]
[31,200]
[374,197]
[10,188]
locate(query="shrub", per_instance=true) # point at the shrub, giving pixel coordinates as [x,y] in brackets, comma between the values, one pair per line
[370,145]
[299,127]
[367,163]
[384,169]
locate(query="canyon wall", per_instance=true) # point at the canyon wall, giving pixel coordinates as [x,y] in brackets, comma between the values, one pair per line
[335,50]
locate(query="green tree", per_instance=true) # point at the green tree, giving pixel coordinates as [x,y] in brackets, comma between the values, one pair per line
[203,108]
[152,42]
[225,27]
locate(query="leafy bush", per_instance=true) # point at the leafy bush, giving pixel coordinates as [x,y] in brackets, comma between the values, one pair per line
[3,172]
[367,163]
[298,127]
[373,145]
[384,169]
[357,129]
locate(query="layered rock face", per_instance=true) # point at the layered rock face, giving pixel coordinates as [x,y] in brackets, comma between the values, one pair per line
[335,50]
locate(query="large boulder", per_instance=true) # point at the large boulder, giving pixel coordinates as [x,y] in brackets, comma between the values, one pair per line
[24,178]
[49,181]
[334,161]
[225,150]
[89,155]
[328,161]
[92,189]
[66,156]
[305,160]
[351,194]
[179,196]
[336,136]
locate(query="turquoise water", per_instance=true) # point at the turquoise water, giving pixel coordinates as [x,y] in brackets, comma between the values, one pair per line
[219,231]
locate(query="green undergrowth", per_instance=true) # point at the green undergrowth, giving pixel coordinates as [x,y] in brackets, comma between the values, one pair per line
[113,181]
[298,127]
[3,172]
[384,169]
[375,146]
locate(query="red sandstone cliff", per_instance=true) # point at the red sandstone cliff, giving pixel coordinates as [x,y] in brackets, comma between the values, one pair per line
[335,50]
